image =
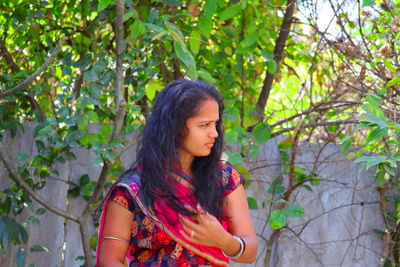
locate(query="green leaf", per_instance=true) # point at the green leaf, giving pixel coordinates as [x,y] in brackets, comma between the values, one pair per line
[250,39]
[84,180]
[88,190]
[20,156]
[373,99]
[235,158]
[307,187]
[192,72]
[86,140]
[206,76]
[104,134]
[83,123]
[261,133]
[5,206]
[92,115]
[175,33]
[131,13]
[231,12]
[252,203]
[103,4]
[40,211]
[286,143]
[278,219]
[294,211]
[205,25]
[253,150]
[231,136]
[373,119]
[74,191]
[137,29]
[20,257]
[392,82]
[244,172]
[157,29]
[209,8]
[194,42]
[271,66]
[390,66]
[231,113]
[346,144]
[377,134]
[368,3]
[276,187]
[372,161]
[150,90]
[205,20]
[39,248]
[90,75]
[184,55]
[315,182]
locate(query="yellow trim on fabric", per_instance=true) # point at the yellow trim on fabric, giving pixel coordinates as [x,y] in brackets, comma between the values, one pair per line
[161,225]
[182,180]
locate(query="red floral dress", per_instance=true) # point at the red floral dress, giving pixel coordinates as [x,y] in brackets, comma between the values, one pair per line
[151,246]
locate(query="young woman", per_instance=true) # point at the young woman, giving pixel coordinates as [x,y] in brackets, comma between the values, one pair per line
[179,205]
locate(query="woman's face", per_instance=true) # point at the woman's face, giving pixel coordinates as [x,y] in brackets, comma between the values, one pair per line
[201,132]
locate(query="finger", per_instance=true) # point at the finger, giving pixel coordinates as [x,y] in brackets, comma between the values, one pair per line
[189,224]
[187,230]
[190,208]
[186,236]
[202,214]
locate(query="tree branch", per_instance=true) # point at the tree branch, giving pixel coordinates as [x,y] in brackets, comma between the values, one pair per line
[18,179]
[15,69]
[22,85]
[318,107]
[278,54]
[285,130]
[4,52]
[117,126]
[36,106]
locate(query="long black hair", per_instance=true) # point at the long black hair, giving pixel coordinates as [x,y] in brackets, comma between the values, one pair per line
[157,152]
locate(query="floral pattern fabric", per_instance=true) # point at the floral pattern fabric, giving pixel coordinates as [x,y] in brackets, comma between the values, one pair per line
[150,245]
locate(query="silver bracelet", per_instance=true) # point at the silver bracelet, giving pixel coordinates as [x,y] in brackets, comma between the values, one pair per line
[115,238]
[242,248]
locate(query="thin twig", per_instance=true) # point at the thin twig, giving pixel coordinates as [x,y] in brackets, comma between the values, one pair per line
[36,73]
[18,179]
[285,130]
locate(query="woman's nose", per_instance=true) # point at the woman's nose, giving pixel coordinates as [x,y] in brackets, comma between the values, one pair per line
[213,133]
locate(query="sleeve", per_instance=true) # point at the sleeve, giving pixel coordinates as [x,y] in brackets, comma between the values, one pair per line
[231,178]
[121,196]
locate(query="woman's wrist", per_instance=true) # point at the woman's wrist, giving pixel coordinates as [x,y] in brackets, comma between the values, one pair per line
[235,251]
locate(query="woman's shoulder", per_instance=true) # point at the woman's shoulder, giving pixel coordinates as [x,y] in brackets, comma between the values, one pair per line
[130,176]
[226,167]
[231,178]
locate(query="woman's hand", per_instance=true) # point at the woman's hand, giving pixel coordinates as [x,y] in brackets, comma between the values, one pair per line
[204,229]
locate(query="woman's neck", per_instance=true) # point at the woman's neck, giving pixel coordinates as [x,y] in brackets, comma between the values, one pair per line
[186,161]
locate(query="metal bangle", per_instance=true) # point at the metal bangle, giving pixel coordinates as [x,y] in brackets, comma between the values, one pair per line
[242,248]
[115,238]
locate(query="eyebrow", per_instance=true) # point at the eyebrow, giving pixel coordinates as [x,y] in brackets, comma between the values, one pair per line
[208,121]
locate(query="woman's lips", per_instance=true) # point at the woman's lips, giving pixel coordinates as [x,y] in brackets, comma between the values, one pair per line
[210,144]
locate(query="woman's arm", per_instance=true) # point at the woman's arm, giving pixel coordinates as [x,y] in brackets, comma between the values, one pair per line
[240,224]
[207,230]
[117,224]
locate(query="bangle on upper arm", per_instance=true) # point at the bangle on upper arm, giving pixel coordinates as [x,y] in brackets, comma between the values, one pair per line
[242,248]
[115,238]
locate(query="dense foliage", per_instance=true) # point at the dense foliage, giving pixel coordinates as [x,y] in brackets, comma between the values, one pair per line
[59,69]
